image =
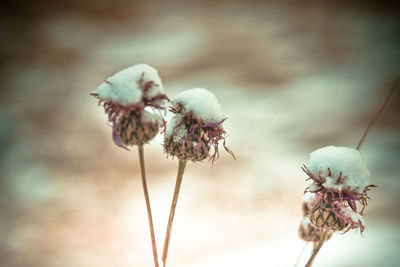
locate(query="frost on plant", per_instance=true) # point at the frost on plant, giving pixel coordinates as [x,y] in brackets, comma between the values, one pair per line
[124,96]
[196,128]
[340,181]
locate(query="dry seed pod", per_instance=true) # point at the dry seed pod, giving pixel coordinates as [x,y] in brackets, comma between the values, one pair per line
[188,151]
[138,128]
[323,216]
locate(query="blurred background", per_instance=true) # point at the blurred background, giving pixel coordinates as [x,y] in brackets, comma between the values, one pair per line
[291,76]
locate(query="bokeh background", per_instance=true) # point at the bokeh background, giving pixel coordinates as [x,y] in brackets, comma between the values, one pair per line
[291,76]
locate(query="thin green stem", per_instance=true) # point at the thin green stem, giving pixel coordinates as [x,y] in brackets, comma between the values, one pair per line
[147,199]
[181,170]
[317,248]
[378,114]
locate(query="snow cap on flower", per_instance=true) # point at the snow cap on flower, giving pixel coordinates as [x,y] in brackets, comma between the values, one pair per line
[201,102]
[124,96]
[329,163]
[340,182]
[339,168]
[196,126]
[138,85]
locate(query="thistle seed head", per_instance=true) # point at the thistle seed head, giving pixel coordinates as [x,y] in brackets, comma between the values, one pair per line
[340,181]
[190,138]
[187,151]
[137,128]
[324,216]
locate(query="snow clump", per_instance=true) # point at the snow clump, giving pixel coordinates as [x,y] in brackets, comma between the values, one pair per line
[130,86]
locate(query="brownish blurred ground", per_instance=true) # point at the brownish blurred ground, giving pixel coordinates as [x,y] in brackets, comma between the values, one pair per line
[290,76]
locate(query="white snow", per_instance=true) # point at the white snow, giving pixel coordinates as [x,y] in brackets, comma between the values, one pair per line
[313,187]
[170,126]
[125,87]
[150,117]
[202,103]
[180,132]
[354,216]
[331,184]
[355,175]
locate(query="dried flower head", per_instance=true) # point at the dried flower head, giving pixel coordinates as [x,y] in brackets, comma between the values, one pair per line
[124,96]
[196,127]
[340,181]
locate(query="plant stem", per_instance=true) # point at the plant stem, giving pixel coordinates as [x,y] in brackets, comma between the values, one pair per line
[181,169]
[377,115]
[147,199]
[301,253]
[317,248]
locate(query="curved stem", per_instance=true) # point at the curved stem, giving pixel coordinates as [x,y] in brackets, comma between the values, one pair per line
[376,116]
[181,169]
[301,253]
[147,199]
[317,248]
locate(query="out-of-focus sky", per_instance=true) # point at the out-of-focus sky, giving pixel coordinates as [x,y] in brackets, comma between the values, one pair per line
[291,77]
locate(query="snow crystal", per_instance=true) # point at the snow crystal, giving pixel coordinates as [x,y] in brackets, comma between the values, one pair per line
[126,86]
[340,160]
[202,103]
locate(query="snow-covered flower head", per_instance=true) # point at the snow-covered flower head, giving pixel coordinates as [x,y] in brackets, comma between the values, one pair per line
[196,126]
[340,180]
[136,86]
[124,97]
